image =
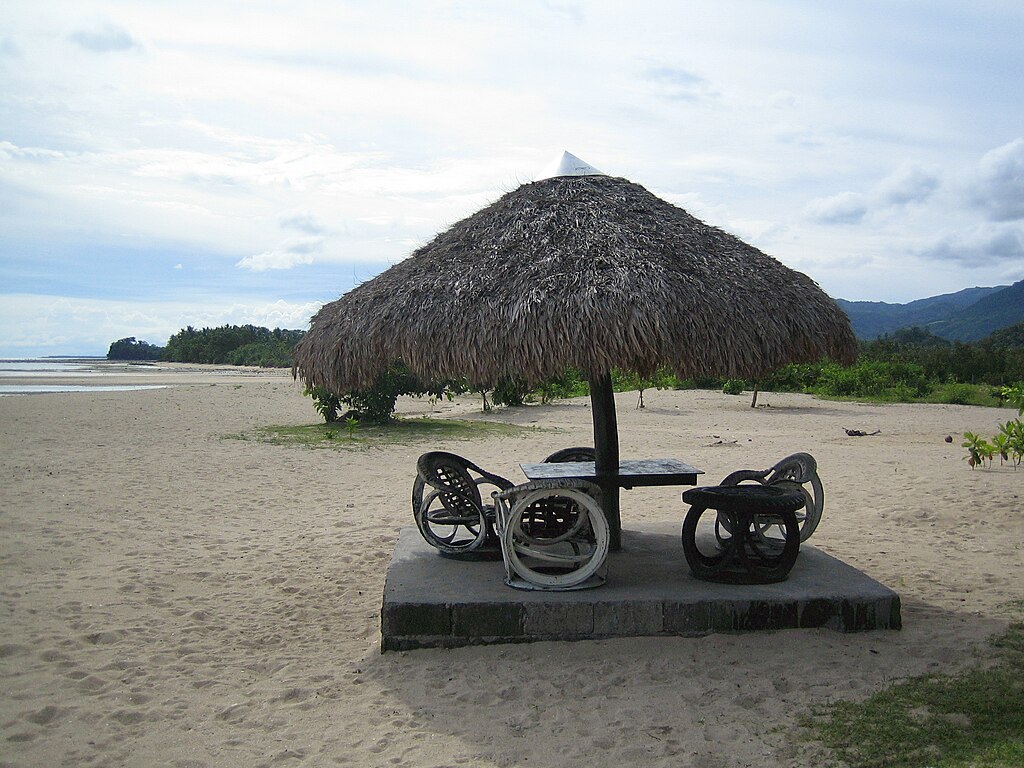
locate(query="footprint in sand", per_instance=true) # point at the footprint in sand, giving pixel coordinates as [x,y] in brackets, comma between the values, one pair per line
[44,716]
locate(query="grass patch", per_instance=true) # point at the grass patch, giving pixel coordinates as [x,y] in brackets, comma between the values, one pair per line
[974,719]
[950,394]
[964,394]
[340,436]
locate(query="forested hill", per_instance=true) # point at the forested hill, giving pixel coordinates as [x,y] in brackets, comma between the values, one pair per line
[967,315]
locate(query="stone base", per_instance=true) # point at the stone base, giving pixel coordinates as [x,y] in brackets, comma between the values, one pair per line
[433,601]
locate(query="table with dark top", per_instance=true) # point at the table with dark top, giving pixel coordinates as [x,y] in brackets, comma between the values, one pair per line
[634,473]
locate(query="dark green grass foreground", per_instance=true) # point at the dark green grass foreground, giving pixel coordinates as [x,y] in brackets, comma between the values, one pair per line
[974,719]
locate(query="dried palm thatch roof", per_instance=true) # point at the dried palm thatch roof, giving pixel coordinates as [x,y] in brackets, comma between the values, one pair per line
[593,272]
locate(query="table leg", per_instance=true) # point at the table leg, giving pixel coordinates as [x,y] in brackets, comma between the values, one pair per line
[610,491]
[606,448]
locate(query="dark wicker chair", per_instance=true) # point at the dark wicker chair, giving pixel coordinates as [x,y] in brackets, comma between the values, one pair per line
[452,516]
[796,472]
[571,454]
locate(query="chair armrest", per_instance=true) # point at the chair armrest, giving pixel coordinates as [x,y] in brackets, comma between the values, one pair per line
[551,484]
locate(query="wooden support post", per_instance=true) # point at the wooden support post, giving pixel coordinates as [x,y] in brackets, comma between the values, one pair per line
[606,445]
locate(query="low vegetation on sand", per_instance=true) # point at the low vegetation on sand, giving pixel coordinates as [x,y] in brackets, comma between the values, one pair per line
[973,719]
[350,435]
[1008,445]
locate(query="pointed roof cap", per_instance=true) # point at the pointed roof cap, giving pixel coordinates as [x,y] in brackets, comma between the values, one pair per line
[568,165]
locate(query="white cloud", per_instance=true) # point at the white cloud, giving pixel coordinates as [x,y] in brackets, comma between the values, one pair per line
[910,183]
[999,187]
[290,254]
[679,83]
[981,245]
[302,221]
[10,151]
[844,208]
[103,38]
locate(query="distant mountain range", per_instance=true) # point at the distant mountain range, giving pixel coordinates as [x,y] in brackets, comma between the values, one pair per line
[966,315]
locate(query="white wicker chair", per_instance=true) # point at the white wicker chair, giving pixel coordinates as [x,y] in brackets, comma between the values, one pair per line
[553,534]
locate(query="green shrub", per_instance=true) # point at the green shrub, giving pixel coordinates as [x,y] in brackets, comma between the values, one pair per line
[699,382]
[733,387]
[873,378]
[510,391]
[1014,396]
[326,403]
[572,383]
[1010,441]
[376,405]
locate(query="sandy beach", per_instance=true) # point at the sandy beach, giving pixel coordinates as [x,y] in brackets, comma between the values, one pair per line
[173,595]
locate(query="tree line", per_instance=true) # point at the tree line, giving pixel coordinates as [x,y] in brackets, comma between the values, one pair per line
[225,345]
[909,365]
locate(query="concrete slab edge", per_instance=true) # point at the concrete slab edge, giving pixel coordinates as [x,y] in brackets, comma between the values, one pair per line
[407,626]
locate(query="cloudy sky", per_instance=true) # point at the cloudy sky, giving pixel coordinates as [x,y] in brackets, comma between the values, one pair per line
[173,163]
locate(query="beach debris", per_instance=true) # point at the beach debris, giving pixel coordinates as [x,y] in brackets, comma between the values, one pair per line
[721,441]
[949,438]
[859,433]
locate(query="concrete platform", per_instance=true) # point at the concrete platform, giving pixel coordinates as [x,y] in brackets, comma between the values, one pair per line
[433,601]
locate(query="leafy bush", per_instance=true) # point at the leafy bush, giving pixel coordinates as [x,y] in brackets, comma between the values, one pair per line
[978,449]
[376,405]
[1008,445]
[961,394]
[733,387]
[795,377]
[1010,441]
[572,383]
[327,403]
[700,382]
[510,391]
[873,378]
[1014,396]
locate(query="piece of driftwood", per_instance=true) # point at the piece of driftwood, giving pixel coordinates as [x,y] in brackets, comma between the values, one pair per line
[859,433]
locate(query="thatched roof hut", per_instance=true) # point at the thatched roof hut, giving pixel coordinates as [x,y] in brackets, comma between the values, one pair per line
[587,271]
[592,272]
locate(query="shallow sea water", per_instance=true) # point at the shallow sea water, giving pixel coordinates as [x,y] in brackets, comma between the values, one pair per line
[97,370]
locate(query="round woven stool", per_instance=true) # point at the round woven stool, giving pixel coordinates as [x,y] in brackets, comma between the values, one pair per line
[741,553]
